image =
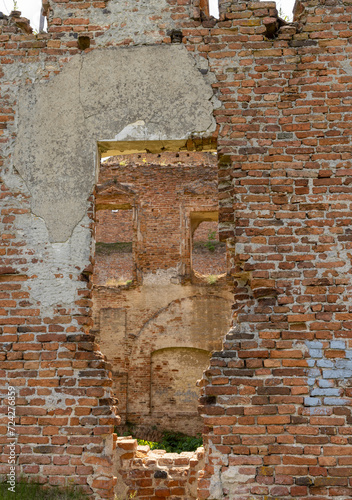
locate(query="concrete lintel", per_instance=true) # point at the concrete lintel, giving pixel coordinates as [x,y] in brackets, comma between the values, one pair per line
[112,148]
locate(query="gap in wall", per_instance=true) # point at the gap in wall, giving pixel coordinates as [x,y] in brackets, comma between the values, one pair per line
[214,8]
[208,253]
[113,247]
[158,327]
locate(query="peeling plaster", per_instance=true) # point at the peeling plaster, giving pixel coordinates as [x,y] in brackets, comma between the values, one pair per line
[67,259]
[61,121]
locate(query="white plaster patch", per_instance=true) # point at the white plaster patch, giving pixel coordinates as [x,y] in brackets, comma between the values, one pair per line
[346,66]
[233,482]
[137,131]
[215,489]
[54,402]
[149,93]
[54,270]
[161,276]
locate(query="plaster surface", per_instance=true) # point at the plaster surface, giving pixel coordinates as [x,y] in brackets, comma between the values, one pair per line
[141,93]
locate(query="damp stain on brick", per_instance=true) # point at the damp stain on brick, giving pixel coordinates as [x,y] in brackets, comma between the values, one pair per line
[83,42]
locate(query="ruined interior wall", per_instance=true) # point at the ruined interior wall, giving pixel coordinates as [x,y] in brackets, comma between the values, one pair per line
[156,474]
[135,323]
[163,191]
[159,330]
[113,227]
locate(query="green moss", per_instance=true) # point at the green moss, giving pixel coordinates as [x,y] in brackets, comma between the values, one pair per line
[212,279]
[110,248]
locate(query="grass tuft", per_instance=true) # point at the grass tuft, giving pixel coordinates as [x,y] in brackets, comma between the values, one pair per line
[30,490]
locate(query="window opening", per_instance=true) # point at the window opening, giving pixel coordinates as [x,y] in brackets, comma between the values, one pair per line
[113,247]
[158,332]
[209,259]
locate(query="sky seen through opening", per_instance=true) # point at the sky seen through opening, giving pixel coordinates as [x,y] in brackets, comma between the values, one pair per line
[31,9]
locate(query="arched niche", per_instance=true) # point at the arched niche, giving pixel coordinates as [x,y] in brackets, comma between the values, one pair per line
[174,373]
[196,323]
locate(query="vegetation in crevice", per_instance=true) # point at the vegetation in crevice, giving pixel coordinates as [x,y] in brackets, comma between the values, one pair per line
[171,442]
[174,442]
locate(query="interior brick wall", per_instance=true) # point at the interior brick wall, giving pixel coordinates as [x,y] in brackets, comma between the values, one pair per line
[112,226]
[113,269]
[164,190]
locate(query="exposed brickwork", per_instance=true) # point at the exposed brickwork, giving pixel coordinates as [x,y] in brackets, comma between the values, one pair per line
[114,226]
[113,269]
[277,399]
[164,190]
[156,474]
[65,412]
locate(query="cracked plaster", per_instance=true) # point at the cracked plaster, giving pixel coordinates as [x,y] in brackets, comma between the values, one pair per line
[94,98]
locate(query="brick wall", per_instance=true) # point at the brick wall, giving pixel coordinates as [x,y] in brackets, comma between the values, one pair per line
[163,189]
[277,398]
[114,226]
[149,473]
[65,414]
[116,265]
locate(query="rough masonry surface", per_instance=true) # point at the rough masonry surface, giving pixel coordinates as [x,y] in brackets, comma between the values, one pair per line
[275,99]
